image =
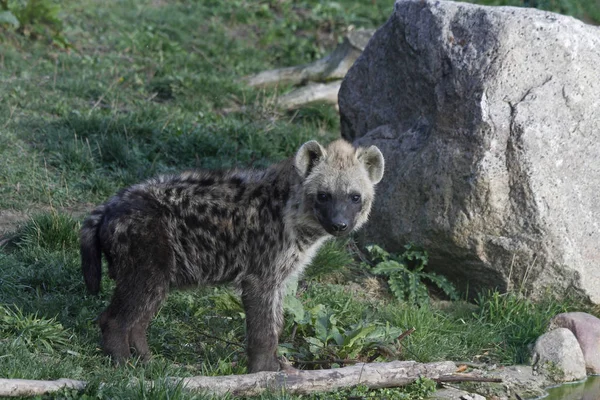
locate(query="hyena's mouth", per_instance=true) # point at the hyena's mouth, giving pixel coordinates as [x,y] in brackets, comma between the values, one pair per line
[337,233]
[337,228]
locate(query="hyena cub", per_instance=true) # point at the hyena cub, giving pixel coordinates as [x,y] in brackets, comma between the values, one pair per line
[253,228]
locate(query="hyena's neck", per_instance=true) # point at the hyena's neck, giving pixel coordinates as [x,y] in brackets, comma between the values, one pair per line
[300,224]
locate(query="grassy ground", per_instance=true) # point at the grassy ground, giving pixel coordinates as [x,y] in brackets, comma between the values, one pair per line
[153,86]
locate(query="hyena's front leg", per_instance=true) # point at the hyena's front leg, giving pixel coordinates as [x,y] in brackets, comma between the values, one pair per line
[263,303]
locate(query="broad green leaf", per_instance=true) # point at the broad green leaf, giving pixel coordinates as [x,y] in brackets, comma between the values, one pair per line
[388,267]
[359,333]
[293,306]
[377,252]
[443,283]
[6,17]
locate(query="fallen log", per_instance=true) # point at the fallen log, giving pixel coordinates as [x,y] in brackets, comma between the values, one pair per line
[28,387]
[318,81]
[331,67]
[311,93]
[373,375]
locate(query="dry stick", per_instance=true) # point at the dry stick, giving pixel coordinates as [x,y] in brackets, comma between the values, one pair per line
[208,335]
[104,94]
[512,264]
[207,59]
[332,361]
[406,333]
[353,247]
[12,111]
[466,378]
[55,73]
[471,364]
[391,354]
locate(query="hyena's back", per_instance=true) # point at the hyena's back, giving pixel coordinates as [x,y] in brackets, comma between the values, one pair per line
[193,228]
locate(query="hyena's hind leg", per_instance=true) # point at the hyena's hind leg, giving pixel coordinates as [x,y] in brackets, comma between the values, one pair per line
[125,321]
[114,325]
[138,340]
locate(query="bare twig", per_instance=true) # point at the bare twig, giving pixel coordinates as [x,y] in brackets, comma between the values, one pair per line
[406,333]
[208,335]
[207,59]
[104,94]
[12,111]
[471,364]
[354,248]
[466,378]
[325,362]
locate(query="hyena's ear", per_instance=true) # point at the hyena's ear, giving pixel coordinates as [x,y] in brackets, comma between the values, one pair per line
[372,159]
[309,154]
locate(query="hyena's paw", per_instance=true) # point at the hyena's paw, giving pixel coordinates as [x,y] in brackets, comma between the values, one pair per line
[263,363]
[115,341]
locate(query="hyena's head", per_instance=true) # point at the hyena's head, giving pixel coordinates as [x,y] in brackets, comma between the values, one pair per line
[339,183]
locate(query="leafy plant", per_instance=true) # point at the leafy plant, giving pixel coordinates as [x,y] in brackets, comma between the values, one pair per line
[325,338]
[35,19]
[406,274]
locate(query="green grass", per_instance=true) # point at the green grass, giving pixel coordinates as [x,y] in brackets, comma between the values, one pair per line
[122,90]
[48,330]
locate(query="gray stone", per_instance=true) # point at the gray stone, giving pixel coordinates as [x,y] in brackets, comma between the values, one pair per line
[557,355]
[586,329]
[488,119]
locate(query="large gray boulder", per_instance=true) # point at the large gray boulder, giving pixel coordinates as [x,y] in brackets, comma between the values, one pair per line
[489,120]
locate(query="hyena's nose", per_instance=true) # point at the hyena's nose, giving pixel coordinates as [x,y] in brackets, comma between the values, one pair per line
[339,226]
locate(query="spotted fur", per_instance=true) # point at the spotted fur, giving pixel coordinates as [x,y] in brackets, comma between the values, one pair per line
[254,228]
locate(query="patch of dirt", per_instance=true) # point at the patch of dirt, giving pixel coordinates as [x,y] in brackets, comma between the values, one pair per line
[11,219]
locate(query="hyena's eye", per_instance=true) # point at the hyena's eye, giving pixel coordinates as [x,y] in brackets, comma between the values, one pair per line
[322,197]
[355,198]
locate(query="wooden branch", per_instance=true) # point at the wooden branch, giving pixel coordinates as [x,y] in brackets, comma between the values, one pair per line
[313,92]
[27,387]
[466,378]
[406,333]
[374,375]
[332,361]
[333,66]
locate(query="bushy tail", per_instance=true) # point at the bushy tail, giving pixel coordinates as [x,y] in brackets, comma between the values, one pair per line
[91,254]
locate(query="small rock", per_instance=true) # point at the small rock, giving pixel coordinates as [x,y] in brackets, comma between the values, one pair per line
[586,329]
[557,355]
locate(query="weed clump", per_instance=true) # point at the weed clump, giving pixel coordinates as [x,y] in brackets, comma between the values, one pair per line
[51,232]
[406,274]
[35,19]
